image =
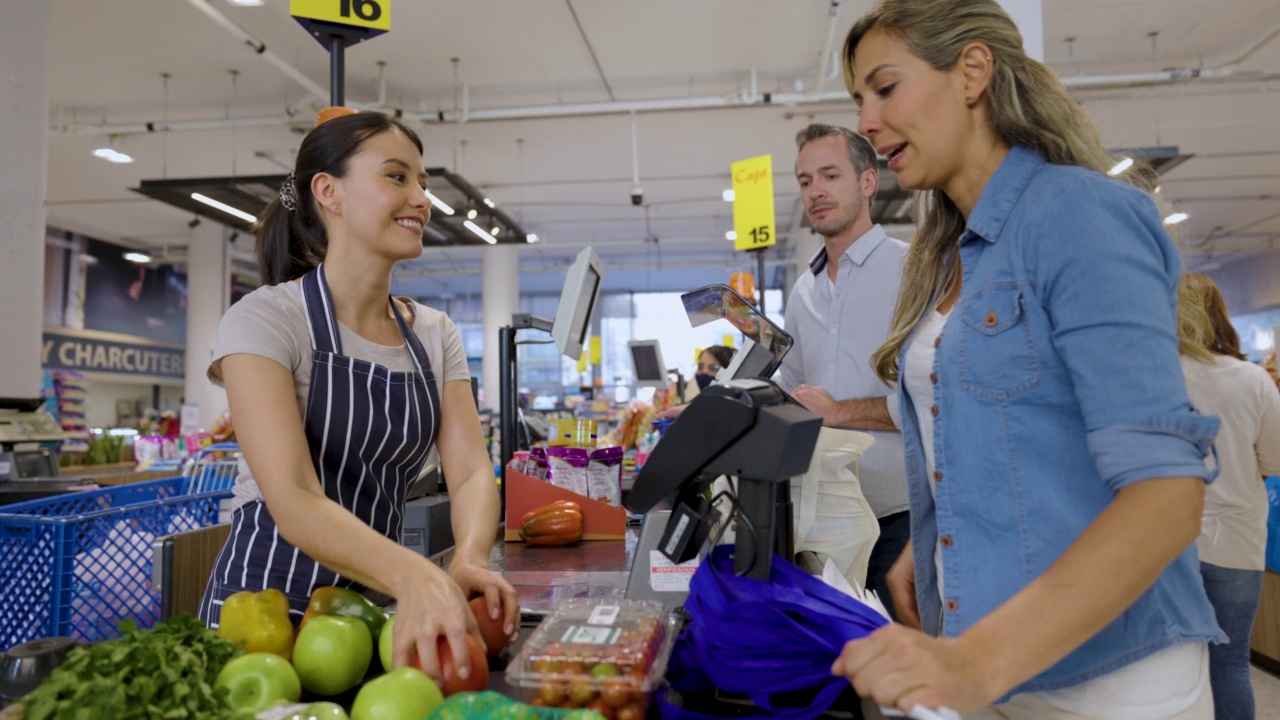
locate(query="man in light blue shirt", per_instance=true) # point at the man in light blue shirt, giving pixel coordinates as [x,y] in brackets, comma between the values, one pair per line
[839,313]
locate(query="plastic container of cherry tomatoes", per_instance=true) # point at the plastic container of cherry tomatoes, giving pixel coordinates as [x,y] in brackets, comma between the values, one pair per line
[603,655]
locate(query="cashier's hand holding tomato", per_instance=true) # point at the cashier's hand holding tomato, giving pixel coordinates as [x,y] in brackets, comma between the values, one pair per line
[500,598]
[428,607]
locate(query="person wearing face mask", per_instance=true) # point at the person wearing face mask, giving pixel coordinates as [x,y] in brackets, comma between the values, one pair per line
[340,391]
[1057,470]
[710,362]
[839,312]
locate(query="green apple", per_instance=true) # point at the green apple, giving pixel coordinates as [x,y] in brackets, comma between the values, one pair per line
[320,711]
[384,643]
[332,654]
[257,681]
[404,694]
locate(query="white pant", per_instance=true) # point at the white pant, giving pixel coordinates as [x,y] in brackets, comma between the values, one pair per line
[1028,707]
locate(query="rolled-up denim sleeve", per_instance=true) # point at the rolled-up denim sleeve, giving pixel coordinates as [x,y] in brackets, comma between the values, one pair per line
[1108,279]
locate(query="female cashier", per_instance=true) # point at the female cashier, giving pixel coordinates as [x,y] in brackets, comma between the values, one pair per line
[340,390]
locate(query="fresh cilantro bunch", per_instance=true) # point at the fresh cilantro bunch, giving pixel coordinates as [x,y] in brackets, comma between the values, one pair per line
[163,673]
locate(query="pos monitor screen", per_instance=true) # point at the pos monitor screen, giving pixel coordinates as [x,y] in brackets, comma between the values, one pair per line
[646,360]
[577,300]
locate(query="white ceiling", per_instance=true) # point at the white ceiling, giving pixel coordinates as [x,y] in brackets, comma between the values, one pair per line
[569,178]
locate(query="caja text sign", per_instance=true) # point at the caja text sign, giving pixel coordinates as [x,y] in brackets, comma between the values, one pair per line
[753,203]
[372,14]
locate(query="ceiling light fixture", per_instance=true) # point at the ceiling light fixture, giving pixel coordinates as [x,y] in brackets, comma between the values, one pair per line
[731,235]
[471,214]
[246,3]
[137,257]
[489,202]
[531,237]
[112,155]
[1175,218]
[494,232]
[233,212]
[728,195]
[480,232]
[1120,167]
[439,204]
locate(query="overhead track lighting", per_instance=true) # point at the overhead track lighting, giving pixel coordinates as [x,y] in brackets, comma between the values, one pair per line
[1120,167]
[480,232]
[233,212]
[1175,218]
[727,195]
[137,257]
[439,204]
[531,237]
[731,235]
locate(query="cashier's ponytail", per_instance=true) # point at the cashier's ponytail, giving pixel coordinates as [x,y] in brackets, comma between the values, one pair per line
[291,235]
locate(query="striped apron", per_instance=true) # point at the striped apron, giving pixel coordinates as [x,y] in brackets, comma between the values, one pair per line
[369,431]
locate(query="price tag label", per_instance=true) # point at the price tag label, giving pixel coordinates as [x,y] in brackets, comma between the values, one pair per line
[372,14]
[753,219]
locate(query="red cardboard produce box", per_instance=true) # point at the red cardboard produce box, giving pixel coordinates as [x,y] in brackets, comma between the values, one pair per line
[600,521]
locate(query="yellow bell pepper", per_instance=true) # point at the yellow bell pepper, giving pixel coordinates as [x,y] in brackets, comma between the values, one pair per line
[258,622]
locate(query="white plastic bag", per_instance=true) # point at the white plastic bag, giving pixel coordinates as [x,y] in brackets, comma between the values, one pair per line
[832,518]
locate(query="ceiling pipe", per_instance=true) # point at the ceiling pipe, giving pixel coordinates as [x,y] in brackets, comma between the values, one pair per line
[833,12]
[1181,77]
[313,88]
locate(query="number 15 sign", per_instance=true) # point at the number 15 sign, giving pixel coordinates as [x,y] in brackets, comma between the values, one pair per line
[753,203]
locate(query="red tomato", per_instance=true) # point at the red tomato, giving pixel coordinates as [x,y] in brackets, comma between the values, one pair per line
[479,679]
[616,692]
[494,638]
[631,711]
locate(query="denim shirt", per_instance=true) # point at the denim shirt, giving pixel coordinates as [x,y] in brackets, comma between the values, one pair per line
[1057,384]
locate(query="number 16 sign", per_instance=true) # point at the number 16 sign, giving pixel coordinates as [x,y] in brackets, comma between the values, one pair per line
[753,203]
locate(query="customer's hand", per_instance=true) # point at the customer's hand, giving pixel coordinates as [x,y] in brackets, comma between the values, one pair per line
[819,402]
[500,598]
[430,604]
[901,668]
[901,580]
[671,413]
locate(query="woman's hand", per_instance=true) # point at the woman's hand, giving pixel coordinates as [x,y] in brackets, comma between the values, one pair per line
[499,597]
[901,668]
[901,580]
[430,604]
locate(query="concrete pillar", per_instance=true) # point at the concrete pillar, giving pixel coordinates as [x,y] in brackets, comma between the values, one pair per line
[1029,17]
[24,142]
[208,293]
[500,293]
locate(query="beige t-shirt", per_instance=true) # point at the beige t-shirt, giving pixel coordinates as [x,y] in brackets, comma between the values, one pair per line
[272,322]
[1233,531]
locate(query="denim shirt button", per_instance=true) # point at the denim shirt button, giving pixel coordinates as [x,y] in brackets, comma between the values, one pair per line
[991,320]
[952,606]
[945,540]
[937,341]
[933,410]
[933,378]
[937,476]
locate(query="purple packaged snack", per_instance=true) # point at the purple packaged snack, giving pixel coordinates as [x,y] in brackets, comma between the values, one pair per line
[536,465]
[568,468]
[604,476]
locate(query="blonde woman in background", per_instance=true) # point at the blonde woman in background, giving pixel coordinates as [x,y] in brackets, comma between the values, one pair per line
[1233,533]
[1056,469]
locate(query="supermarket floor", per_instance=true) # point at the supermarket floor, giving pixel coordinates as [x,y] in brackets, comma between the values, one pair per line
[1266,693]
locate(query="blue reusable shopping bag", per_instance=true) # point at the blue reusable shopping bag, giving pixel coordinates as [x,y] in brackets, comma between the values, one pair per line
[760,638]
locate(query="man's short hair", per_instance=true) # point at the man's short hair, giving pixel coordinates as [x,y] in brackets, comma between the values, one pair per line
[861,154]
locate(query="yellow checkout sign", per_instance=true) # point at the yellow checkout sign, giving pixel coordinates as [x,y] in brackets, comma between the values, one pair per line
[753,203]
[372,14]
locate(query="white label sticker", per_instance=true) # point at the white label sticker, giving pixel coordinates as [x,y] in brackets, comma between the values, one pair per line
[5,468]
[666,576]
[590,635]
[604,615]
